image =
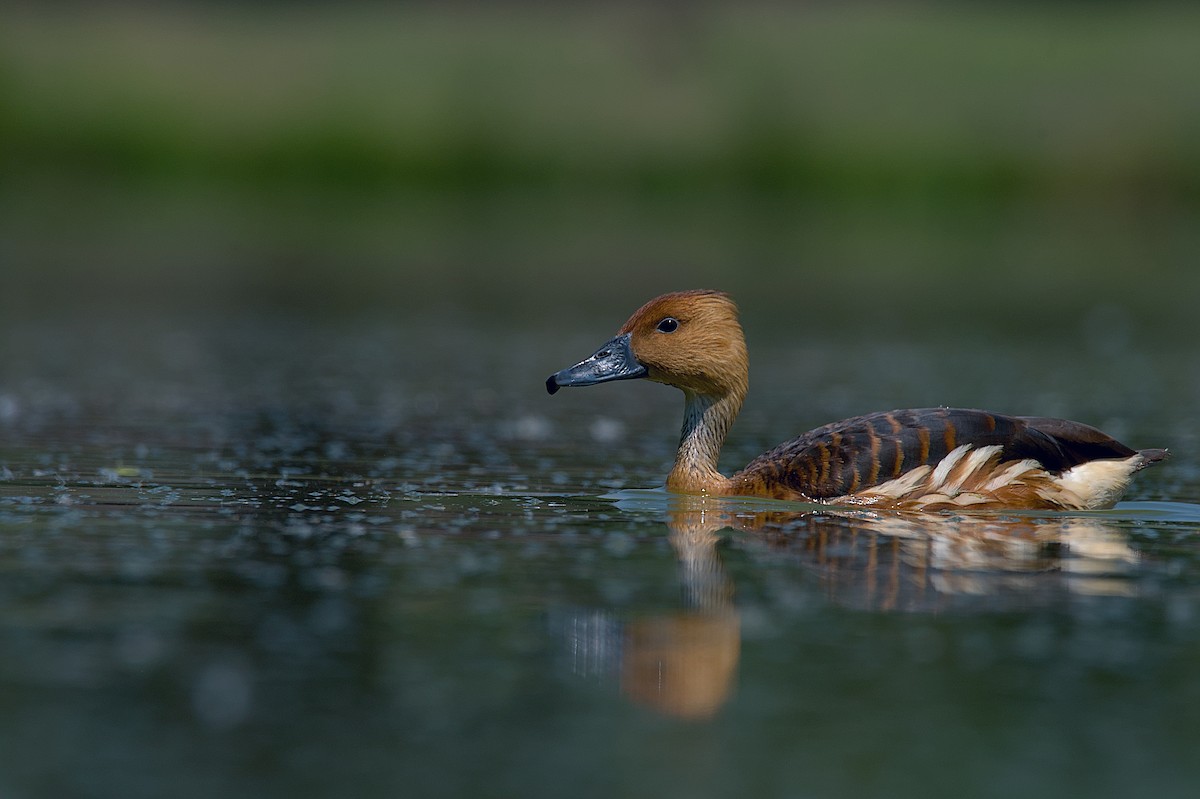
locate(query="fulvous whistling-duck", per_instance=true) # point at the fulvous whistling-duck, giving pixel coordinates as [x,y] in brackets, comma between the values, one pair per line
[923,459]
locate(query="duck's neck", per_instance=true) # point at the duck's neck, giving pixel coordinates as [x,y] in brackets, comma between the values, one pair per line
[706,422]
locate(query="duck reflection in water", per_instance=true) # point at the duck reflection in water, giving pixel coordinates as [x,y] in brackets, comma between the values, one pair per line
[685,664]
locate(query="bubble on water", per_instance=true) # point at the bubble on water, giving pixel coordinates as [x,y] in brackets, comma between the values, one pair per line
[222,694]
[298,528]
[140,648]
[329,578]
[605,430]
[976,650]
[262,573]
[135,567]
[408,535]
[1035,641]
[469,563]
[1180,610]
[330,616]
[532,428]
[756,624]
[535,549]
[925,644]
[10,408]
[619,544]
[279,633]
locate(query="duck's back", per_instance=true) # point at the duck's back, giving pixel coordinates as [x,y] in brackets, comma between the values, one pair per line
[856,455]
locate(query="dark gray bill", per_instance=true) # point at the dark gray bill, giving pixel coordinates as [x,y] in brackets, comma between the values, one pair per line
[613,361]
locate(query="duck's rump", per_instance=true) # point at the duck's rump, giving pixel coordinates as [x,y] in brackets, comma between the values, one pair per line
[903,453]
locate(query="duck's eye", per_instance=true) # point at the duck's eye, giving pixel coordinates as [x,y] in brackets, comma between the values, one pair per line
[668,325]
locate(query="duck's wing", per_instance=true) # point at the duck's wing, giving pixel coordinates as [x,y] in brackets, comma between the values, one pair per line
[857,454]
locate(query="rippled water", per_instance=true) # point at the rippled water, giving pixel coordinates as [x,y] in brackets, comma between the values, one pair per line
[268,559]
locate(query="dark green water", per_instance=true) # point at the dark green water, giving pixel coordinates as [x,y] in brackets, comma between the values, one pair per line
[260,559]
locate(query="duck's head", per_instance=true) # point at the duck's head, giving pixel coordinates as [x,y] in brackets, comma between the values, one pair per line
[688,339]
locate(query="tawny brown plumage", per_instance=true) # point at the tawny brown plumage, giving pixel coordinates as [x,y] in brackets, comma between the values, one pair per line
[928,458]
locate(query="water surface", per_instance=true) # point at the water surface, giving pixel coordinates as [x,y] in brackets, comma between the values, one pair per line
[264,558]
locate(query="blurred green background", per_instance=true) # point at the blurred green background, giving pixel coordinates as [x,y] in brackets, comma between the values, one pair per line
[854,166]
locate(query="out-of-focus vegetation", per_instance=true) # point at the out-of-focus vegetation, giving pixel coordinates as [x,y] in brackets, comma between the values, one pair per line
[890,161]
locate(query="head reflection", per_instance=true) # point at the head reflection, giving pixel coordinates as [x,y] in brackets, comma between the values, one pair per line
[684,664]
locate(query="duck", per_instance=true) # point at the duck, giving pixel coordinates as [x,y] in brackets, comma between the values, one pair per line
[935,459]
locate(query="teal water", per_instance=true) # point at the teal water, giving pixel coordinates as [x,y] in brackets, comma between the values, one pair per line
[270,559]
